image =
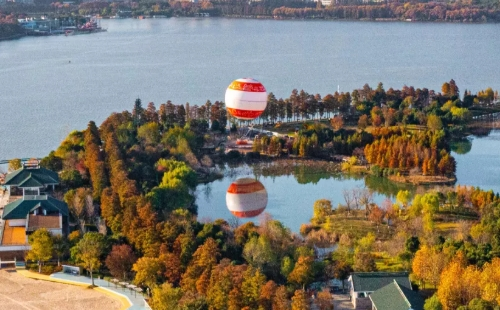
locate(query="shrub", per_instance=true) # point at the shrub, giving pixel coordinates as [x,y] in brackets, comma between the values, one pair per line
[71,179]
[48,269]
[376,170]
[233,155]
[253,155]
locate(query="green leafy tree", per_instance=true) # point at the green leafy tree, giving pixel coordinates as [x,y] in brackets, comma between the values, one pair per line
[87,252]
[412,244]
[480,304]
[434,122]
[253,281]
[403,197]
[138,113]
[149,133]
[287,265]
[258,252]
[174,190]
[430,203]
[41,247]
[61,247]
[433,303]
[52,162]
[365,244]
[322,209]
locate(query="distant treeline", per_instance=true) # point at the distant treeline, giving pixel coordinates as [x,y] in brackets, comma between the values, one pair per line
[399,11]
[478,11]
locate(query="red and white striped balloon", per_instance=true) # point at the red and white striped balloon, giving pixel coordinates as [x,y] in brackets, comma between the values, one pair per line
[246,99]
[246,197]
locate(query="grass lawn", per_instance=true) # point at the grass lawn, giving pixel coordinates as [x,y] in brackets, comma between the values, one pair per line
[386,263]
[446,228]
[358,226]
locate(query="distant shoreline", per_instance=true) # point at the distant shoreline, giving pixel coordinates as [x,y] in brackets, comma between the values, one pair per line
[266,17]
[12,37]
[378,20]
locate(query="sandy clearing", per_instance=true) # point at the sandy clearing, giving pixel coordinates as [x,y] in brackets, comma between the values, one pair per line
[18,292]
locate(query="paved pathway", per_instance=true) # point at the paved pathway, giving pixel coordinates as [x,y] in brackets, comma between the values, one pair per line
[136,299]
[342,302]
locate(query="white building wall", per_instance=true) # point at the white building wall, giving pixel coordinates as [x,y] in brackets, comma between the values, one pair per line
[55,232]
[17,223]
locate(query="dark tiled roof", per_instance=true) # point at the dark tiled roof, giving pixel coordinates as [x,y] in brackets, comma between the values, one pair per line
[41,175]
[43,221]
[396,297]
[20,208]
[372,281]
[31,181]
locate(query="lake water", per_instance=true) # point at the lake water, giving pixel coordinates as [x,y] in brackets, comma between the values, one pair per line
[481,165]
[51,85]
[291,198]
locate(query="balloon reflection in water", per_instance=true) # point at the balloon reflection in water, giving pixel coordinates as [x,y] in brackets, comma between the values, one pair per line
[246,197]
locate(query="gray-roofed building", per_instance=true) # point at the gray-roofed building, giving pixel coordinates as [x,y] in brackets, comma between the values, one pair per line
[29,207]
[31,181]
[396,297]
[38,205]
[362,284]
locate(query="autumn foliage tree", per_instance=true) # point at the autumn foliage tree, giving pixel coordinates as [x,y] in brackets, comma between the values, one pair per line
[300,301]
[324,300]
[428,264]
[148,271]
[395,149]
[120,261]
[94,160]
[303,272]
[197,275]
[337,122]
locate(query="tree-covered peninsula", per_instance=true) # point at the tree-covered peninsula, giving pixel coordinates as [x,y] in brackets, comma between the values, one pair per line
[132,179]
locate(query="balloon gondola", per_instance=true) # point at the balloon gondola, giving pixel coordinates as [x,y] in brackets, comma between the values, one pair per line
[246,197]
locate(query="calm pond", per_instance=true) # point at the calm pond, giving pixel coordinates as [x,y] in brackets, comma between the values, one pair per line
[291,197]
